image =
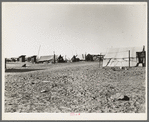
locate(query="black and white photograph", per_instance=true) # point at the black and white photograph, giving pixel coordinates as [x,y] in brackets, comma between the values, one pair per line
[74,60]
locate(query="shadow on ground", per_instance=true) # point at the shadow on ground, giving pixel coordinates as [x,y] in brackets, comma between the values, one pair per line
[20,70]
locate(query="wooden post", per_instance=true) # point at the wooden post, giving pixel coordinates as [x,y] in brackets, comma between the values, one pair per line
[100,61]
[144,57]
[54,57]
[129,58]
[5,63]
[143,48]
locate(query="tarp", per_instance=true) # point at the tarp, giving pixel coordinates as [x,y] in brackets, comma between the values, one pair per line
[120,56]
[47,58]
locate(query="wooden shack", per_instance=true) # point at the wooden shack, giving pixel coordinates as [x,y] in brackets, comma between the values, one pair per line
[22,58]
[33,59]
[141,57]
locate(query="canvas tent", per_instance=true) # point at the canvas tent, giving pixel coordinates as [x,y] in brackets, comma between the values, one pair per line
[60,59]
[89,57]
[48,58]
[81,56]
[75,59]
[120,56]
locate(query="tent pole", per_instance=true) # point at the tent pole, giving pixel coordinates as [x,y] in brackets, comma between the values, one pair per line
[129,58]
[38,51]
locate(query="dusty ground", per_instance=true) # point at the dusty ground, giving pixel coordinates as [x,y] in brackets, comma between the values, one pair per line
[73,87]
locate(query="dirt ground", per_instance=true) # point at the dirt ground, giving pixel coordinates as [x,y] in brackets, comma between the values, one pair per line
[80,87]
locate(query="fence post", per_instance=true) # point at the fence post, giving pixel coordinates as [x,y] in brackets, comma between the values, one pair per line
[100,60]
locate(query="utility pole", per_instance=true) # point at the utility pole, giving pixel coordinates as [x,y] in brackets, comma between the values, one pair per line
[129,58]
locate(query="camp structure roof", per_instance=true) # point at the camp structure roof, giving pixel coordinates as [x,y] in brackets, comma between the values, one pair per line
[22,56]
[47,58]
[120,56]
[33,56]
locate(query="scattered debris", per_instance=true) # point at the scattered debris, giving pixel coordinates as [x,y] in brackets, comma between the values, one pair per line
[24,65]
[124,68]
[43,91]
[54,85]
[117,96]
[119,69]
[93,98]
[113,69]
[33,83]
[125,98]
[46,81]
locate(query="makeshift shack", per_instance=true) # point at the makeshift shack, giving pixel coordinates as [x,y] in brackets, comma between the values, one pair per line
[33,59]
[22,58]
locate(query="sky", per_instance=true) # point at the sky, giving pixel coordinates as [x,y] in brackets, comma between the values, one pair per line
[71,28]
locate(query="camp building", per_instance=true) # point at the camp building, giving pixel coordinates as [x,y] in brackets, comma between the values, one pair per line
[33,59]
[22,58]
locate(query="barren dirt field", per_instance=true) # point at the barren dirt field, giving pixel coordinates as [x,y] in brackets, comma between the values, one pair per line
[80,87]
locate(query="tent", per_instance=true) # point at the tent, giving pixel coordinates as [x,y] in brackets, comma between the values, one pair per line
[48,58]
[67,59]
[75,59]
[81,56]
[60,59]
[120,56]
[89,57]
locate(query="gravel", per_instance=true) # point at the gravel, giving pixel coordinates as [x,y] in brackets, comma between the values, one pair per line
[74,87]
